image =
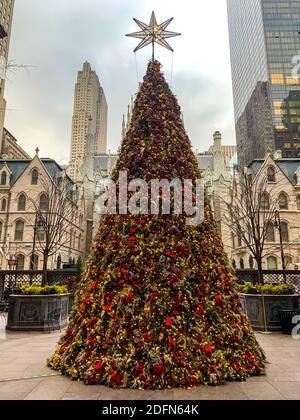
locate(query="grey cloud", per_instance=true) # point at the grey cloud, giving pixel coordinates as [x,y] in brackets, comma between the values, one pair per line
[57,37]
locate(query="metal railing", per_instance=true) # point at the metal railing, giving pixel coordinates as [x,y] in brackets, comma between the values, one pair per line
[15,279]
[291,277]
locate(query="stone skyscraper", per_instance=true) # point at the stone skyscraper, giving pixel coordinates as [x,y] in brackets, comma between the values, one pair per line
[264,43]
[6,15]
[89,119]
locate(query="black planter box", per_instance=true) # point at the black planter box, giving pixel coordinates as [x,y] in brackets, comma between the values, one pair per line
[38,313]
[253,308]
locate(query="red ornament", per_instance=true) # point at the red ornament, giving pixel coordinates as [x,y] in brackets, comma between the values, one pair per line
[129,296]
[152,296]
[107,308]
[140,367]
[171,255]
[93,286]
[169,322]
[142,222]
[218,299]
[116,378]
[132,239]
[132,230]
[208,349]
[159,369]
[82,308]
[200,310]
[98,366]
[171,341]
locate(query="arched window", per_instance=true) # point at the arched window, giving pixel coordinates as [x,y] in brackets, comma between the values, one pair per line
[283,201]
[20,262]
[233,264]
[272,263]
[284,231]
[270,236]
[58,265]
[40,233]
[265,201]
[44,202]
[79,241]
[298,202]
[242,264]
[35,262]
[3,178]
[19,230]
[3,204]
[22,203]
[233,240]
[239,239]
[271,174]
[288,262]
[34,177]
[251,262]
[1,229]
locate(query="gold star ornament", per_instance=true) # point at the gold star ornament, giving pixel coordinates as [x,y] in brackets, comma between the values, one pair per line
[153,33]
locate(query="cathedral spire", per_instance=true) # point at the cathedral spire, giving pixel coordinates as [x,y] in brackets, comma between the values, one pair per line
[128,117]
[123,127]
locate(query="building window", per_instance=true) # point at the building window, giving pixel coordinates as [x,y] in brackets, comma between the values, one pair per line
[79,241]
[58,265]
[233,240]
[3,204]
[283,201]
[233,264]
[288,262]
[251,262]
[239,239]
[20,262]
[3,178]
[35,262]
[272,263]
[242,264]
[34,177]
[22,203]
[19,230]
[265,201]
[270,236]
[1,229]
[284,231]
[40,233]
[298,202]
[271,174]
[44,202]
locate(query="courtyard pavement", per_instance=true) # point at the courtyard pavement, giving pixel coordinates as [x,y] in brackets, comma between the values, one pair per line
[24,375]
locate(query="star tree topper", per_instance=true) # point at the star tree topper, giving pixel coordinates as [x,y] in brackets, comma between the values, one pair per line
[153,33]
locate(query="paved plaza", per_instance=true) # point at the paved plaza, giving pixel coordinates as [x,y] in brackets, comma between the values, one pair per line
[24,375]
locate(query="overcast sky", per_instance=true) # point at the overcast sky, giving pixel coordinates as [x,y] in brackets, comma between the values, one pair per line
[55,38]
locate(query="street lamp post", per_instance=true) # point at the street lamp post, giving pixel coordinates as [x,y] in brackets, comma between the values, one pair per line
[33,246]
[278,225]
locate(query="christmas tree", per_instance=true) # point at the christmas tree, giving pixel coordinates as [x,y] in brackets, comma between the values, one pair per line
[158,305]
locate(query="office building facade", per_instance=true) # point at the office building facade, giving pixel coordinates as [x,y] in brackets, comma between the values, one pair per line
[265,53]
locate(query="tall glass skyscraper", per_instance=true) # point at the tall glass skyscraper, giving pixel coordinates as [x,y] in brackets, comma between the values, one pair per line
[265,52]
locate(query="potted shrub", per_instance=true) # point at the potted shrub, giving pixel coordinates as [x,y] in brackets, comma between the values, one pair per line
[37,308]
[263,303]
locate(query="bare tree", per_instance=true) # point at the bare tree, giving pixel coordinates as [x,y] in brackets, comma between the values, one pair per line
[250,213]
[54,213]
